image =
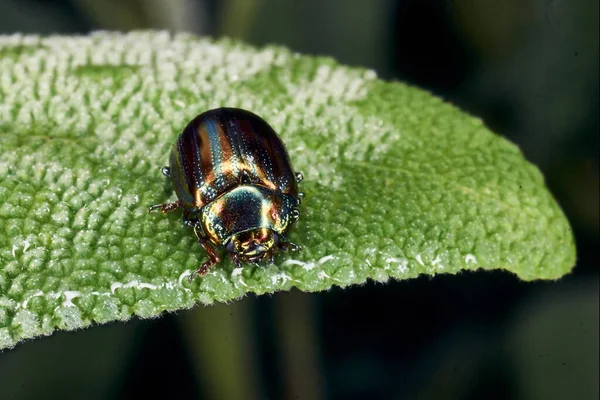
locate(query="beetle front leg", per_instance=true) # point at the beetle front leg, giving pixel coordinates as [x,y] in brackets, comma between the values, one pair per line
[285,246]
[236,259]
[165,208]
[213,257]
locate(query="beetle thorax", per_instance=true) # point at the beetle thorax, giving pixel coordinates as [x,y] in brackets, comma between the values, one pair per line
[248,219]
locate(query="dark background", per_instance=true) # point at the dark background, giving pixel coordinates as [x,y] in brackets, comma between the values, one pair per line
[528,68]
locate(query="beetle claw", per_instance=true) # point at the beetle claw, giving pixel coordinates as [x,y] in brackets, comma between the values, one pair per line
[204,268]
[192,276]
[236,260]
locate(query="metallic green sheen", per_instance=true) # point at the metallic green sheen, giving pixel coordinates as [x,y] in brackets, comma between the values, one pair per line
[245,208]
[236,186]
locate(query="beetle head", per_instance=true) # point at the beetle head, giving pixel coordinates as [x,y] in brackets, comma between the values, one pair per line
[253,245]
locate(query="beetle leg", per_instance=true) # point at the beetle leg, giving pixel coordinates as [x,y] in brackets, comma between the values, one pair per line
[213,260]
[285,246]
[271,257]
[236,260]
[166,171]
[213,257]
[165,208]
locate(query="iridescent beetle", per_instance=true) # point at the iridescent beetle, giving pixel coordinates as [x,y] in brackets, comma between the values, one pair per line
[233,180]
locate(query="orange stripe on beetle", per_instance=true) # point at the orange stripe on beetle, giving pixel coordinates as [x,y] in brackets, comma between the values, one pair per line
[234,180]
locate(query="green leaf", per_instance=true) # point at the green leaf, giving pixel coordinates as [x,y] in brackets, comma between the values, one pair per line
[398,182]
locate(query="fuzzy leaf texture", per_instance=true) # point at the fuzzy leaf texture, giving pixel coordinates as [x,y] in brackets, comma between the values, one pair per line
[397,182]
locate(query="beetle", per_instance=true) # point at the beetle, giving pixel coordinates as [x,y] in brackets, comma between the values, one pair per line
[234,181]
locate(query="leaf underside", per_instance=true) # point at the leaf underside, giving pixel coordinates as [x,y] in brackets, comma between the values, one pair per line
[397,182]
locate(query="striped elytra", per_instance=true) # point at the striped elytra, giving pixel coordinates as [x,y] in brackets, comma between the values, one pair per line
[220,149]
[234,181]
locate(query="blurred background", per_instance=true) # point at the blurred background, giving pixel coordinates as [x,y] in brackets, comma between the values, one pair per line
[528,68]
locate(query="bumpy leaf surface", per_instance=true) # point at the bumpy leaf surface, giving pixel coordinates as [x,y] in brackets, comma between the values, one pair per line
[398,183]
